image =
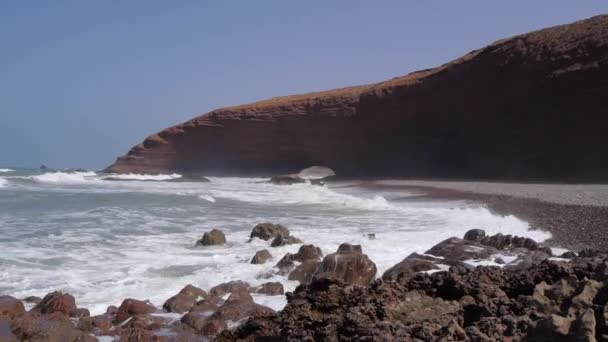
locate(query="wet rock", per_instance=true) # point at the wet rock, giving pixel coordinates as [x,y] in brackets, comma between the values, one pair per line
[500,261]
[307,258]
[568,255]
[57,302]
[32,299]
[10,308]
[475,235]
[131,307]
[261,257]
[287,180]
[526,261]
[270,289]
[229,287]
[239,305]
[349,265]
[461,250]
[267,231]
[80,312]
[281,240]
[98,325]
[213,237]
[52,327]
[185,299]
[412,264]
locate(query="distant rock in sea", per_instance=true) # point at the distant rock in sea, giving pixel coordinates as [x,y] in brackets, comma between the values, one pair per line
[527,107]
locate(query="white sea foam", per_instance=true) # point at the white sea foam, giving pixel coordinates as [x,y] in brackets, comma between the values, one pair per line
[143,177]
[3,182]
[6,170]
[106,241]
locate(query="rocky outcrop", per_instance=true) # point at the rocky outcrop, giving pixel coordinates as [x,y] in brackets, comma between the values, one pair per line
[267,231]
[261,257]
[302,265]
[349,265]
[185,299]
[281,241]
[211,238]
[525,107]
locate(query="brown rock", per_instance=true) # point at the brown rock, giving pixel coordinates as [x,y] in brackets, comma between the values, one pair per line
[461,250]
[131,307]
[53,327]
[271,289]
[261,257]
[185,299]
[267,231]
[229,287]
[281,240]
[214,237]
[57,302]
[308,257]
[349,265]
[10,308]
[412,264]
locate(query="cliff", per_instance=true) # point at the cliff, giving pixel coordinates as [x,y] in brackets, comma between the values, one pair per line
[533,106]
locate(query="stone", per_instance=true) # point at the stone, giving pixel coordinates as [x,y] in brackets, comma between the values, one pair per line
[212,238]
[131,307]
[461,250]
[229,287]
[261,257]
[281,240]
[10,308]
[51,327]
[57,302]
[349,265]
[411,265]
[267,231]
[270,289]
[185,299]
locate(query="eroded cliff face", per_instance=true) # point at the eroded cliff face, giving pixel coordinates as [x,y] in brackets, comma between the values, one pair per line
[534,106]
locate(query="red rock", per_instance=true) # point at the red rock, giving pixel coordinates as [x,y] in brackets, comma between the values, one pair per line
[529,106]
[270,289]
[10,308]
[185,299]
[349,265]
[261,257]
[131,307]
[229,287]
[53,327]
[267,231]
[57,302]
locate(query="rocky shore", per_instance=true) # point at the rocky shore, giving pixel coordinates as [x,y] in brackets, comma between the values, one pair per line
[474,288]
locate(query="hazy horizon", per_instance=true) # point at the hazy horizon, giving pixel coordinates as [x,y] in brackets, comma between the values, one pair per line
[82,84]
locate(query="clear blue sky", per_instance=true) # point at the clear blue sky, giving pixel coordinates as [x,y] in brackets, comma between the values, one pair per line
[83,81]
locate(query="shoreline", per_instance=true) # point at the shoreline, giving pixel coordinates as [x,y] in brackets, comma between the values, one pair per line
[575,215]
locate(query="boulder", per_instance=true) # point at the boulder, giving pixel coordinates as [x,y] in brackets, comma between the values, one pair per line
[229,287]
[52,327]
[461,250]
[525,261]
[270,289]
[349,265]
[185,299]
[57,302]
[267,231]
[261,257]
[307,258]
[10,308]
[412,264]
[475,235]
[131,307]
[239,305]
[281,240]
[287,180]
[213,237]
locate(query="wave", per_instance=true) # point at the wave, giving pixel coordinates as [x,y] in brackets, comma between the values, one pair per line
[65,177]
[6,170]
[207,198]
[3,182]
[143,177]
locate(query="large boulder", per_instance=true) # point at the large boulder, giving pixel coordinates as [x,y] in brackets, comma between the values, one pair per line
[461,250]
[185,299]
[302,265]
[10,308]
[213,237]
[412,264]
[267,231]
[57,302]
[228,287]
[281,241]
[270,289]
[52,327]
[131,307]
[261,257]
[347,264]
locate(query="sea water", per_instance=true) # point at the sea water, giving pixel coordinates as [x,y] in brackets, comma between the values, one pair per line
[103,241]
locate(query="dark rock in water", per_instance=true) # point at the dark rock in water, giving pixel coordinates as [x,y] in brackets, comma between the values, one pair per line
[270,289]
[214,237]
[190,179]
[229,287]
[526,261]
[32,299]
[10,308]
[500,261]
[53,327]
[475,235]
[281,240]
[371,236]
[349,265]
[568,255]
[57,302]
[267,231]
[131,307]
[261,257]
[412,264]
[461,250]
[44,167]
[287,180]
[185,299]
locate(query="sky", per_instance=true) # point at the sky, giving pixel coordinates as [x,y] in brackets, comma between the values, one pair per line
[81,82]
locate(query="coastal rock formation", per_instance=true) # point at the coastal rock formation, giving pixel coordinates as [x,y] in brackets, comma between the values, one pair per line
[185,299]
[527,107]
[349,265]
[213,237]
[302,265]
[267,231]
[261,257]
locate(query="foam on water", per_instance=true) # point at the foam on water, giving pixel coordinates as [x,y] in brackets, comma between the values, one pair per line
[143,177]
[6,170]
[104,241]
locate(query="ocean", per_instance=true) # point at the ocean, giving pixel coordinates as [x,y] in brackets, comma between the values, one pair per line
[103,241]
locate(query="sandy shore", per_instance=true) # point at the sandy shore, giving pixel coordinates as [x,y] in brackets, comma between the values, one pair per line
[576,215]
